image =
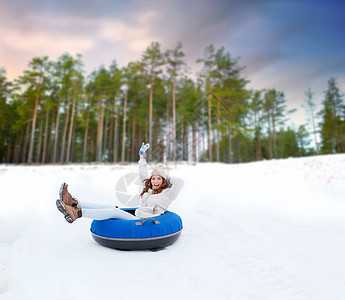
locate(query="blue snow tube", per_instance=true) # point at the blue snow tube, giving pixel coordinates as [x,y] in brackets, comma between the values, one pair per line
[141,234]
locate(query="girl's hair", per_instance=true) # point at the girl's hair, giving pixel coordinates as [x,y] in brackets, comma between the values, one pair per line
[148,185]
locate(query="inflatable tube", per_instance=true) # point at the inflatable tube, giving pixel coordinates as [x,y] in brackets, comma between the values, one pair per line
[141,234]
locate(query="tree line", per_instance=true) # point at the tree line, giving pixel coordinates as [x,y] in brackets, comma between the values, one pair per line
[55,113]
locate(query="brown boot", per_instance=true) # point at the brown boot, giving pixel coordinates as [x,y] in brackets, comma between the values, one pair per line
[71,212]
[66,197]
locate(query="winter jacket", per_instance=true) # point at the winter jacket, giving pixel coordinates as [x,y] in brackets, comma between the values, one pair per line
[153,205]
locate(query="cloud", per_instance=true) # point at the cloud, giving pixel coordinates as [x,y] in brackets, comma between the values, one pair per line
[82,26]
[284,44]
[133,37]
[43,42]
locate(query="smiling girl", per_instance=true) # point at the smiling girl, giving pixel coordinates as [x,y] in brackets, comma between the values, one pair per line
[159,191]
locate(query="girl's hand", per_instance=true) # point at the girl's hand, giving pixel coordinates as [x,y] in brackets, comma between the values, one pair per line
[143,148]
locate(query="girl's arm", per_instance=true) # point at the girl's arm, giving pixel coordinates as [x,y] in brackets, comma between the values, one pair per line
[163,203]
[143,172]
[177,185]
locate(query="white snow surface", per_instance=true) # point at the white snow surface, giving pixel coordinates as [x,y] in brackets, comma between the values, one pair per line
[262,230]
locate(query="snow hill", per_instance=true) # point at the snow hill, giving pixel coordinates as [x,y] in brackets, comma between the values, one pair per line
[264,230]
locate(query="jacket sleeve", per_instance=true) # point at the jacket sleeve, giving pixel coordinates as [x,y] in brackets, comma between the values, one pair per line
[163,203]
[177,185]
[143,172]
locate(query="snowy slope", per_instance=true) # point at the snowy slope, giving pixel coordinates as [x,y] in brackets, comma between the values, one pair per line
[266,230]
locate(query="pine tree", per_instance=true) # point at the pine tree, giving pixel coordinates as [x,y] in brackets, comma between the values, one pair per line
[77,93]
[6,114]
[35,81]
[152,59]
[302,136]
[207,74]
[256,106]
[275,116]
[102,86]
[332,125]
[175,63]
[310,108]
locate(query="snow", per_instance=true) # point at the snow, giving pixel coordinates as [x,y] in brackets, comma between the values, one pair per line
[262,230]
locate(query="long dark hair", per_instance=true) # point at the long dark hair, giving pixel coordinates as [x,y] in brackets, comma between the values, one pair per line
[148,185]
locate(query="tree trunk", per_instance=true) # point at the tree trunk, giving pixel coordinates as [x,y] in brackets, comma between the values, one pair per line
[269,135]
[169,130]
[238,148]
[32,140]
[45,142]
[314,131]
[230,142]
[71,127]
[116,133]
[258,146]
[39,145]
[7,157]
[209,123]
[218,123]
[105,127]
[56,135]
[26,142]
[17,147]
[127,155]
[111,134]
[150,116]
[86,133]
[99,130]
[124,127]
[258,151]
[282,148]
[49,140]
[133,137]
[194,158]
[174,120]
[274,136]
[63,142]
[73,156]
[203,130]
[342,143]
[92,148]
[185,142]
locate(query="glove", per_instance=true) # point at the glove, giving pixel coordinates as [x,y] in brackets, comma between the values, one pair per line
[143,148]
[169,180]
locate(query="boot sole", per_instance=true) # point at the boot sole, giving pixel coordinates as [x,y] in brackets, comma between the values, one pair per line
[63,211]
[60,207]
[61,191]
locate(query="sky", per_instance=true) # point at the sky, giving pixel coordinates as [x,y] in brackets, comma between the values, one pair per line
[289,45]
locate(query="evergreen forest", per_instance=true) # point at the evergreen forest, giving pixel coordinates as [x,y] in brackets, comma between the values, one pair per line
[56,113]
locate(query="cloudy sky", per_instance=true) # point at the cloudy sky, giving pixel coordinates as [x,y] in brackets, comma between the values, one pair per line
[289,45]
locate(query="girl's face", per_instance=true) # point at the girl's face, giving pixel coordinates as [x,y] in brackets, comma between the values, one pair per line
[156,181]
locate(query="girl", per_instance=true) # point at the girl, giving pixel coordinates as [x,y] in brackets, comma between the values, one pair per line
[159,191]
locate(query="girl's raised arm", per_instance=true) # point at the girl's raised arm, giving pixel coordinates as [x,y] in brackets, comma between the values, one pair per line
[143,172]
[177,185]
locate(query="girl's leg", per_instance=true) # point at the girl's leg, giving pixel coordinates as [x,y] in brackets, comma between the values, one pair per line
[107,213]
[87,205]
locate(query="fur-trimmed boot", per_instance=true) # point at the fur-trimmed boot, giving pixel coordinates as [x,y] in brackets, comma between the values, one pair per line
[66,197]
[71,212]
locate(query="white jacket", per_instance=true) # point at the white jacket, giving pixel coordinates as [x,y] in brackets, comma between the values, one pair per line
[153,205]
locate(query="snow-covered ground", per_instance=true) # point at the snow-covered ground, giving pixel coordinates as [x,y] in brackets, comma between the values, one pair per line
[266,230]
